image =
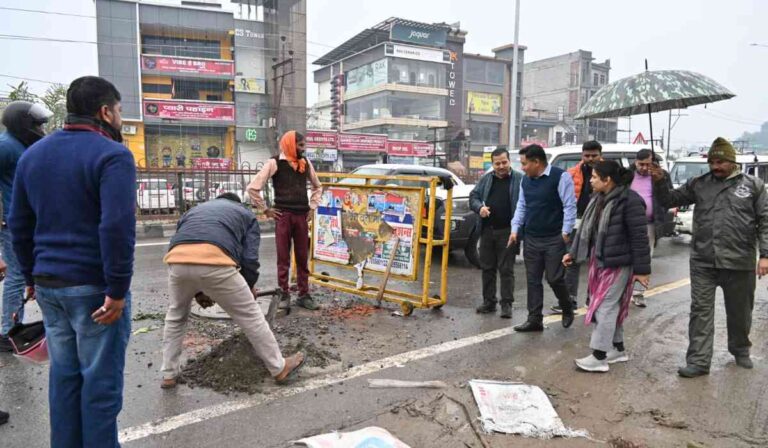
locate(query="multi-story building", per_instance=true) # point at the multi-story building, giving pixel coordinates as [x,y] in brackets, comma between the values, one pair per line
[196,77]
[407,81]
[554,90]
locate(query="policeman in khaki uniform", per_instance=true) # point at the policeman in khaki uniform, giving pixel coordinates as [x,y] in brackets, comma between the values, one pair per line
[730,224]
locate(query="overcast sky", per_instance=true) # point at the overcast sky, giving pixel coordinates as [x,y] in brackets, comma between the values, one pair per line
[711,37]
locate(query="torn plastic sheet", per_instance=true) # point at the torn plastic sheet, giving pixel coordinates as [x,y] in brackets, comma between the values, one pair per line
[370,437]
[516,408]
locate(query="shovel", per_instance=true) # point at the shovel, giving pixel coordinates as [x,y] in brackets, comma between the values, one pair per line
[383,286]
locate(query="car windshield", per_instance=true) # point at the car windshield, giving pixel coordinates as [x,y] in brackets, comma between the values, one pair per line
[683,171]
[365,171]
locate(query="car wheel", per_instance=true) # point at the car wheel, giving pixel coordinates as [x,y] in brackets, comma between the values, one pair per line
[472,249]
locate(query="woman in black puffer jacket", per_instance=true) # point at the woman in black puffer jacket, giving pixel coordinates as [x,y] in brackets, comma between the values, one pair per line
[613,238]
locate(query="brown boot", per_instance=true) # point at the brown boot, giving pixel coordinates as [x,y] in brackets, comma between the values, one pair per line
[292,365]
[168,383]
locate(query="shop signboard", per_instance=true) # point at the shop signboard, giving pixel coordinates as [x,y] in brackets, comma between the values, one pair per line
[322,155]
[321,139]
[250,85]
[211,164]
[173,64]
[417,53]
[367,76]
[401,148]
[416,34]
[484,103]
[189,110]
[363,142]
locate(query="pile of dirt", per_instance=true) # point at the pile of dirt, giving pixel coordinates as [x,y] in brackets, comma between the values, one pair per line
[232,365]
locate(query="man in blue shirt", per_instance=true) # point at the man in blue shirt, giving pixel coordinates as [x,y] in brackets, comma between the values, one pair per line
[73,224]
[547,210]
[24,126]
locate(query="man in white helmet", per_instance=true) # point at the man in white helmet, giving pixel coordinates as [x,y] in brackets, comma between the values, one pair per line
[24,126]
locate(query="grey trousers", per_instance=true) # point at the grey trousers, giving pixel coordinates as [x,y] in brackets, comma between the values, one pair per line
[739,294]
[545,255]
[496,257]
[607,331]
[228,288]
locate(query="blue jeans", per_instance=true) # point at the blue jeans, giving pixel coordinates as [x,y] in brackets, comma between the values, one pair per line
[13,286]
[87,362]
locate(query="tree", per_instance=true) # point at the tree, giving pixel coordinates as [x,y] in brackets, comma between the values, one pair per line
[21,93]
[55,99]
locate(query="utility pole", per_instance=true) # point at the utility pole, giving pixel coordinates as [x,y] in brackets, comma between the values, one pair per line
[280,70]
[671,126]
[513,95]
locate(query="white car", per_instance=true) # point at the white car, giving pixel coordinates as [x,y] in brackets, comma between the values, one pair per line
[155,196]
[689,167]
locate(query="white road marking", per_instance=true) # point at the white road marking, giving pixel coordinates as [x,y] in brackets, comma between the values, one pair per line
[165,243]
[200,415]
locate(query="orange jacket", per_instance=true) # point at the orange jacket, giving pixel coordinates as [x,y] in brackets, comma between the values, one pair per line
[578,178]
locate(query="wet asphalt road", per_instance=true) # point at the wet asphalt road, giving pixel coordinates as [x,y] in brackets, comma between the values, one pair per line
[642,401]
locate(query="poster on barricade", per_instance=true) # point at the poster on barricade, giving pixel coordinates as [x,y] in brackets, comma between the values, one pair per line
[353,225]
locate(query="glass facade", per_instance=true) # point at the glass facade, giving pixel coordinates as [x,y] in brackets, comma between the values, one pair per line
[395,104]
[180,46]
[486,72]
[417,73]
[485,133]
[176,146]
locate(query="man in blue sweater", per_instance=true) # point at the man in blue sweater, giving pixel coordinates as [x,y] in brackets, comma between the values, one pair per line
[23,122]
[547,209]
[73,226]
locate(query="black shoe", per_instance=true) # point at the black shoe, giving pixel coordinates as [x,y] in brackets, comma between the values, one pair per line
[567,318]
[691,371]
[529,327]
[744,361]
[5,345]
[506,311]
[486,308]
[4,416]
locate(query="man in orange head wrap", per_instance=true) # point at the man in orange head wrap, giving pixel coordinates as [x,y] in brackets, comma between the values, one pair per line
[290,171]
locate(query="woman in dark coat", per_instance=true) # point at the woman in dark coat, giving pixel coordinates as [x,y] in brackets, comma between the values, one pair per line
[613,238]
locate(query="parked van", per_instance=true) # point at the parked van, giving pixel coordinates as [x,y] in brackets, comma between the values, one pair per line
[687,168]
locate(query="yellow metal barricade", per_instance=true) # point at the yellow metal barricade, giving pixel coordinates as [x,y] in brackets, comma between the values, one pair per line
[342,235]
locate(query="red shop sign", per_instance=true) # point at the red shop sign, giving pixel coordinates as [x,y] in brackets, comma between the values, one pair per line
[187,65]
[205,163]
[363,142]
[189,110]
[409,148]
[322,139]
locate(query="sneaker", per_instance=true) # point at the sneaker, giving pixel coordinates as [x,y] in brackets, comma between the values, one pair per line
[592,364]
[639,300]
[486,308]
[306,301]
[744,361]
[506,311]
[556,309]
[614,356]
[5,344]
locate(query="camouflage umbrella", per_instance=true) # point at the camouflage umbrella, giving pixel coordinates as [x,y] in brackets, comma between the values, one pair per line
[653,91]
[659,90]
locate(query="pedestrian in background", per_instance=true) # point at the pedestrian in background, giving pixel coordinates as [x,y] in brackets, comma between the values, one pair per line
[73,224]
[613,239]
[4,416]
[216,251]
[494,198]
[290,172]
[642,184]
[24,126]
[546,209]
[591,153]
[731,224]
